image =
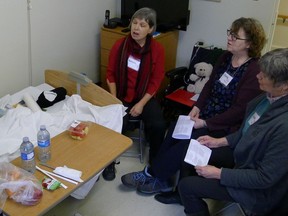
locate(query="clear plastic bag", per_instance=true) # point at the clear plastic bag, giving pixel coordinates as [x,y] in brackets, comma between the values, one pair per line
[18,185]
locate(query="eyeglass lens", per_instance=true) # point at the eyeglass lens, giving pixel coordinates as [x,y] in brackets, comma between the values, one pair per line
[233,36]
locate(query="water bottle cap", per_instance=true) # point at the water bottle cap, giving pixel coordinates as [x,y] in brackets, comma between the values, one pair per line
[25,139]
[42,127]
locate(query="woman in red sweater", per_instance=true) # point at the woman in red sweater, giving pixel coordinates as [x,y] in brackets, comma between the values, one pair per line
[134,74]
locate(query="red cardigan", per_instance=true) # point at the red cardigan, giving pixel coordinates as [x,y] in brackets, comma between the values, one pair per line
[157,69]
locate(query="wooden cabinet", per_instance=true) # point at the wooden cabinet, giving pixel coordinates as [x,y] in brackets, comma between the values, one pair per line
[108,37]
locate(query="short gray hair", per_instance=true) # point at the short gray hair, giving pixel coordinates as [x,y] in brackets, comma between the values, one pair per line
[274,64]
[148,14]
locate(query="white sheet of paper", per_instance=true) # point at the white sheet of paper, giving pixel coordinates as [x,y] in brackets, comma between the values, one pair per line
[197,154]
[195,97]
[183,128]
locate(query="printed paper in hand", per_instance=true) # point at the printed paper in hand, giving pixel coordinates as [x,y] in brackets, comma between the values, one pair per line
[197,154]
[183,128]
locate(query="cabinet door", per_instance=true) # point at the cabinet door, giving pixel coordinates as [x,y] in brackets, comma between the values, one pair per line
[169,41]
[13,46]
[108,37]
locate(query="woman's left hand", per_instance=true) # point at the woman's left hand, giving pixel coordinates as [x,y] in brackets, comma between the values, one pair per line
[208,171]
[136,110]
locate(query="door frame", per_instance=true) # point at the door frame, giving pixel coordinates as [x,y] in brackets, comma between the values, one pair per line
[270,35]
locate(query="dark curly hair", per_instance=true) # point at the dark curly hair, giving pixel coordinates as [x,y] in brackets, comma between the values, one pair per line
[254,33]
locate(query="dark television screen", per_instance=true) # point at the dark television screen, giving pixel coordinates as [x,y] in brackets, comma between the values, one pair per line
[171,14]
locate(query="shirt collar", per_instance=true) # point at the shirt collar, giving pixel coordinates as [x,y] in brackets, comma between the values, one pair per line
[272,99]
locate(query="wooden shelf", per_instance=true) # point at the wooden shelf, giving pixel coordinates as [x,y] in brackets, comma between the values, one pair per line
[284,17]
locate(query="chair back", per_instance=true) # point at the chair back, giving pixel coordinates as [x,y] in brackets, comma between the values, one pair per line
[209,55]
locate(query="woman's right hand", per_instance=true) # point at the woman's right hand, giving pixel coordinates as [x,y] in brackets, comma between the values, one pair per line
[212,142]
[136,110]
[194,113]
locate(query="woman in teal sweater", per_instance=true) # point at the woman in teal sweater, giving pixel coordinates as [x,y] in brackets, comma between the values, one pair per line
[259,180]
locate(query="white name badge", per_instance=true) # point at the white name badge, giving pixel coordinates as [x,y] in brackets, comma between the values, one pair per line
[133,63]
[225,79]
[253,118]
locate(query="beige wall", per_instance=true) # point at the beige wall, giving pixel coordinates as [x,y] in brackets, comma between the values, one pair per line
[281,29]
[65,35]
[283,7]
[209,21]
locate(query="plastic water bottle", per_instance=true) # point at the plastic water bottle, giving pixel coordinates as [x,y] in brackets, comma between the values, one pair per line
[28,155]
[43,140]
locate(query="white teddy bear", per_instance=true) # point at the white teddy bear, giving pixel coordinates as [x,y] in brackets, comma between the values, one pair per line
[203,71]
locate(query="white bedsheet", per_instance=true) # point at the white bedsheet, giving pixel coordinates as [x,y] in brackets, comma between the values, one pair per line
[21,121]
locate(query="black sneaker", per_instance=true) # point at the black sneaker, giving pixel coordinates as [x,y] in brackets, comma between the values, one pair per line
[154,185]
[169,198]
[109,172]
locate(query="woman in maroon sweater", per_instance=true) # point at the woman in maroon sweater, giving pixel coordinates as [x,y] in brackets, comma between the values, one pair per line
[134,74]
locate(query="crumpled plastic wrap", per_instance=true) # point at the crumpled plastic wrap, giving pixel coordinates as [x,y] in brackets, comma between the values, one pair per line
[19,185]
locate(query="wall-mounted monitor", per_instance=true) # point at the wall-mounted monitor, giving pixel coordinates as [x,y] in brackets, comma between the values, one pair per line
[171,14]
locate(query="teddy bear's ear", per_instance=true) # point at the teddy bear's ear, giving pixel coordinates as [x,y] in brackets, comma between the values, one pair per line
[210,66]
[196,65]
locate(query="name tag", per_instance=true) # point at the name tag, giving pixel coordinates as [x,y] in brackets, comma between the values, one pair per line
[225,79]
[253,118]
[133,63]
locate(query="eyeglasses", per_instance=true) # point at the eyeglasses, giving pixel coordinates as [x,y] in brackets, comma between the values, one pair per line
[233,36]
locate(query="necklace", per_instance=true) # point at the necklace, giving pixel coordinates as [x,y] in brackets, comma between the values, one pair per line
[239,65]
[229,74]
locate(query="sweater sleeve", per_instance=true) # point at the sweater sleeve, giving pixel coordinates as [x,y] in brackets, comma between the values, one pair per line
[264,171]
[112,61]
[158,72]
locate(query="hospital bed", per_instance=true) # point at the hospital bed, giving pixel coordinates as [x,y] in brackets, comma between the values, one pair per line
[93,104]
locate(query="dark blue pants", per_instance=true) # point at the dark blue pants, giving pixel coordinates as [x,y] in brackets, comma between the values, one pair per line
[171,155]
[192,189]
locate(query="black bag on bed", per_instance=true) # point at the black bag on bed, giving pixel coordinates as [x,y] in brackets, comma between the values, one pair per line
[44,102]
